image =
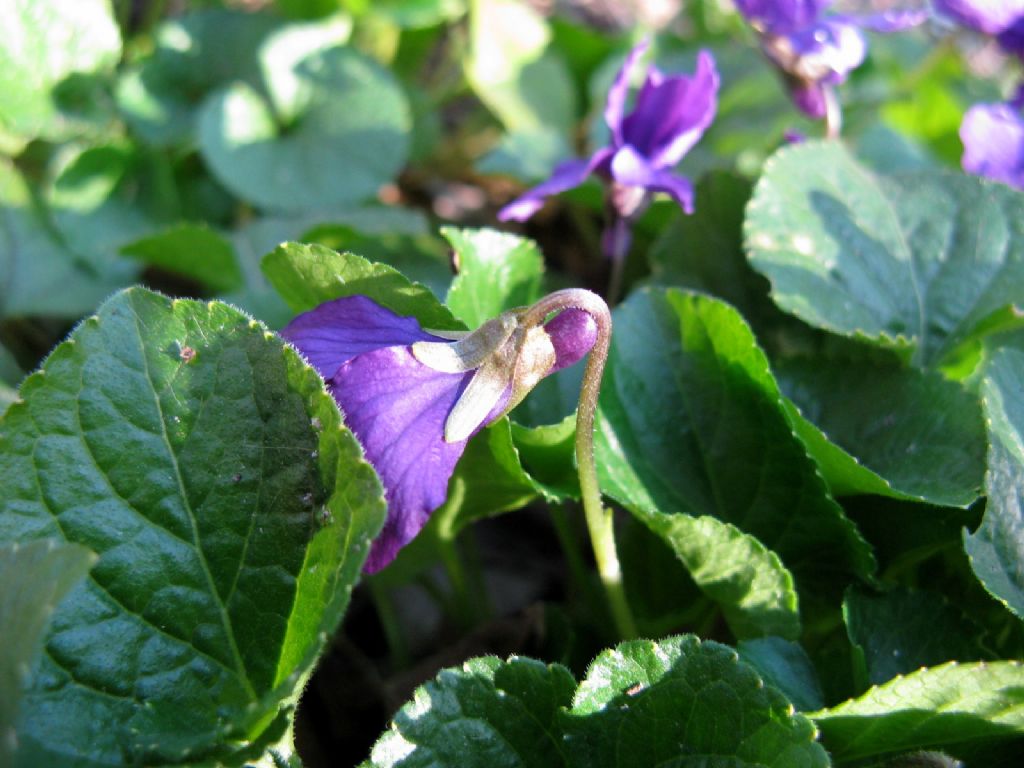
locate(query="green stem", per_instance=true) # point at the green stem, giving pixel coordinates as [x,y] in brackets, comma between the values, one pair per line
[600,522]
[390,623]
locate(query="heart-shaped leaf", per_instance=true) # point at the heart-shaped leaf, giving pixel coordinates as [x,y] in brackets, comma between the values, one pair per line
[204,463]
[692,422]
[918,259]
[329,133]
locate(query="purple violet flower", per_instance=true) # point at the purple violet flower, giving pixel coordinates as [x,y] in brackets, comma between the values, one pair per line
[816,52]
[670,115]
[993,137]
[413,398]
[1002,19]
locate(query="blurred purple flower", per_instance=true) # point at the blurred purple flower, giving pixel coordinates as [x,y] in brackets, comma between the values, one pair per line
[993,137]
[814,51]
[670,115]
[413,398]
[1002,19]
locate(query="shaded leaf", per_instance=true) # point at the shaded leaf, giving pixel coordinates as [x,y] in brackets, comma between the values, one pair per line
[35,577]
[204,463]
[919,434]
[785,665]
[192,250]
[329,131]
[916,259]
[902,630]
[996,549]
[39,275]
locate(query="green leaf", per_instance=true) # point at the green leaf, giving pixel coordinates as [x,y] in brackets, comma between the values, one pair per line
[415,14]
[423,258]
[496,271]
[99,204]
[528,155]
[160,94]
[754,589]
[692,422]
[39,275]
[192,250]
[548,454]
[996,549]
[916,259]
[785,665]
[44,44]
[902,630]
[204,463]
[919,434]
[330,131]
[955,708]
[513,72]
[486,714]
[308,275]
[709,708]
[704,250]
[35,577]
[488,480]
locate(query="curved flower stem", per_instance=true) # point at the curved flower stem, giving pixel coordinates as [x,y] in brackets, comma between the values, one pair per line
[599,518]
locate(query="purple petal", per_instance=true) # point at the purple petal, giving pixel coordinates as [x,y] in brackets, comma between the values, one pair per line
[782,17]
[889,21]
[615,106]
[826,52]
[338,330]
[809,98]
[569,174]
[397,407]
[993,137]
[672,113]
[573,333]
[631,168]
[993,17]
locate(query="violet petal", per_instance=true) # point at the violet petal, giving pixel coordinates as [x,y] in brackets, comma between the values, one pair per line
[993,137]
[672,113]
[336,331]
[569,174]
[782,17]
[631,168]
[993,17]
[397,407]
[618,94]
[809,98]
